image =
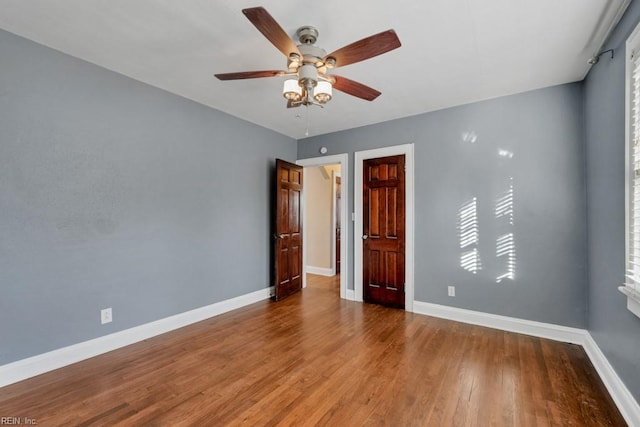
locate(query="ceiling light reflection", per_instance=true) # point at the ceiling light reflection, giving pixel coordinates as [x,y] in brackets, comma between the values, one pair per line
[505,153]
[469,137]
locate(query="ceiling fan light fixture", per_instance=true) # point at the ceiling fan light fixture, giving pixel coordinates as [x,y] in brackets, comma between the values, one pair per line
[292,90]
[309,63]
[323,92]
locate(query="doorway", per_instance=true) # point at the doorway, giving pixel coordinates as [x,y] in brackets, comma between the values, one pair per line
[359,230]
[321,220]
[341,246]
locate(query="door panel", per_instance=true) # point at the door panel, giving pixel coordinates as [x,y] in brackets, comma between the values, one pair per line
[384,231]
[288,236]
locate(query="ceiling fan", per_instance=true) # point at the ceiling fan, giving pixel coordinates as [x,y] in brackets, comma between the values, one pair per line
[308,65]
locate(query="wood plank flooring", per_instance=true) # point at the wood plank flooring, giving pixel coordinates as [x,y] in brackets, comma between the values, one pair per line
[314,359]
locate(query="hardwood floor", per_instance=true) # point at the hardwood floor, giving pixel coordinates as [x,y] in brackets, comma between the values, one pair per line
[313,359]
[330,283]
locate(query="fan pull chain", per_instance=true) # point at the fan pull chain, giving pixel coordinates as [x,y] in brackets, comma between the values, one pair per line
[306,119]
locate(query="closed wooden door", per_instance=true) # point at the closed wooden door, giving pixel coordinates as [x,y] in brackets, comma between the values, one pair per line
[338,225]
[384,231]
[288,230]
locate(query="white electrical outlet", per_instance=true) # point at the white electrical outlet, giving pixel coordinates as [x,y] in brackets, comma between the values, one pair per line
[452,291]
[106,315]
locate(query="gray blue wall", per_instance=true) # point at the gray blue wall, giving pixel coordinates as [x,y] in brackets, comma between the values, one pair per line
[543,130]
[615,329]
[117,194]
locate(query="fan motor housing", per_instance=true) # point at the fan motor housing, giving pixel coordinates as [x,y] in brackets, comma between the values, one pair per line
[311,54]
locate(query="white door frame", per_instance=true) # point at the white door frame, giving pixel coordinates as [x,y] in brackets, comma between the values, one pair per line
[334,222]
[360,157]
[343,161]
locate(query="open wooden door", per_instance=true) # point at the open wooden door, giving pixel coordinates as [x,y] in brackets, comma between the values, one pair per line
[288,230]
[384,231]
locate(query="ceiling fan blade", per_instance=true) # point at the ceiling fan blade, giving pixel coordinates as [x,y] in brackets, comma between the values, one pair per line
[268,26]
[354,88]
[366,48]
[250,75]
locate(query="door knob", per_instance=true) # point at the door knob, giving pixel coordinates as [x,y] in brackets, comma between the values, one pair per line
[278,236]
[365,237]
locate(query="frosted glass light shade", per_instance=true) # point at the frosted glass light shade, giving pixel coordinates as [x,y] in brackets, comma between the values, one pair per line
[323,92]
[292,90]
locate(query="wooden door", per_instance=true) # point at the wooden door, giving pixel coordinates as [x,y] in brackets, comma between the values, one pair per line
[384,231]
[338,226]
[288,230]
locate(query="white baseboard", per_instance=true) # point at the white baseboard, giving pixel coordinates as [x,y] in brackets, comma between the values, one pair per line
[622,397]
[351,295]
[322,271]
[629,408]
[36,365]
[505,323]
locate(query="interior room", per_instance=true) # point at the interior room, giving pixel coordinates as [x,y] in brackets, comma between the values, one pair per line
[459,195]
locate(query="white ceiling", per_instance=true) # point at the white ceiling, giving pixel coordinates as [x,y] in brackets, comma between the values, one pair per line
[453,51]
